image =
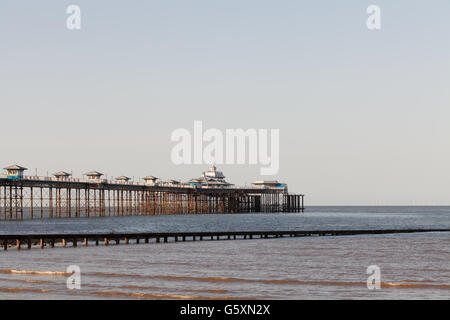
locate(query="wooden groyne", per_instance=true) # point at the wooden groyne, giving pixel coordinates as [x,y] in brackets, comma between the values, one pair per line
[62,240]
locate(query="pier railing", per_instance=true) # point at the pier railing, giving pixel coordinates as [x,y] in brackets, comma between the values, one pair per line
[133,183]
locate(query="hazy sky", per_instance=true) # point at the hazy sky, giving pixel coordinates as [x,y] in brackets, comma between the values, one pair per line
[363,115]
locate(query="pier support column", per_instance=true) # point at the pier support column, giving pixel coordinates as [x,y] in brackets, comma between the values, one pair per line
[31,203]
[50,202]
[42,203]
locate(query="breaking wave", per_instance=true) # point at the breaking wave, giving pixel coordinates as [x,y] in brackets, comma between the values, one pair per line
[34,272]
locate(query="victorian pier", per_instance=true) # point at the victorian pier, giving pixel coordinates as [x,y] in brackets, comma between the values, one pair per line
[62,196]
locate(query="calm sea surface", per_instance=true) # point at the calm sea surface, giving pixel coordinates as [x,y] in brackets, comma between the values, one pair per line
[413,266]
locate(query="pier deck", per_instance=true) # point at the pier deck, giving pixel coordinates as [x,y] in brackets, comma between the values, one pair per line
[62,240]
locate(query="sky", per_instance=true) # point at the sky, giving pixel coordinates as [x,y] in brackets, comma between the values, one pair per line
[363,114]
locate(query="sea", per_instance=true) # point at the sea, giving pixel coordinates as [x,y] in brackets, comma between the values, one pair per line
[410,266]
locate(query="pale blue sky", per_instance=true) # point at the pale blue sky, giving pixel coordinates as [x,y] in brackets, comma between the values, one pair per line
[363,115]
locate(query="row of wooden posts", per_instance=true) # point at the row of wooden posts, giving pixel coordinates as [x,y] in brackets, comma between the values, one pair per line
[52,240]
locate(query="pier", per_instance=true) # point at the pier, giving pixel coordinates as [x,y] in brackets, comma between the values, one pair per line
[63,240]
[61,196]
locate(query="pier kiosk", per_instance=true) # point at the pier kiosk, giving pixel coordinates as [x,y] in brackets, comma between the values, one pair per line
[94,176]
[150,180]
[15,172]
[123,179]
[62,175]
